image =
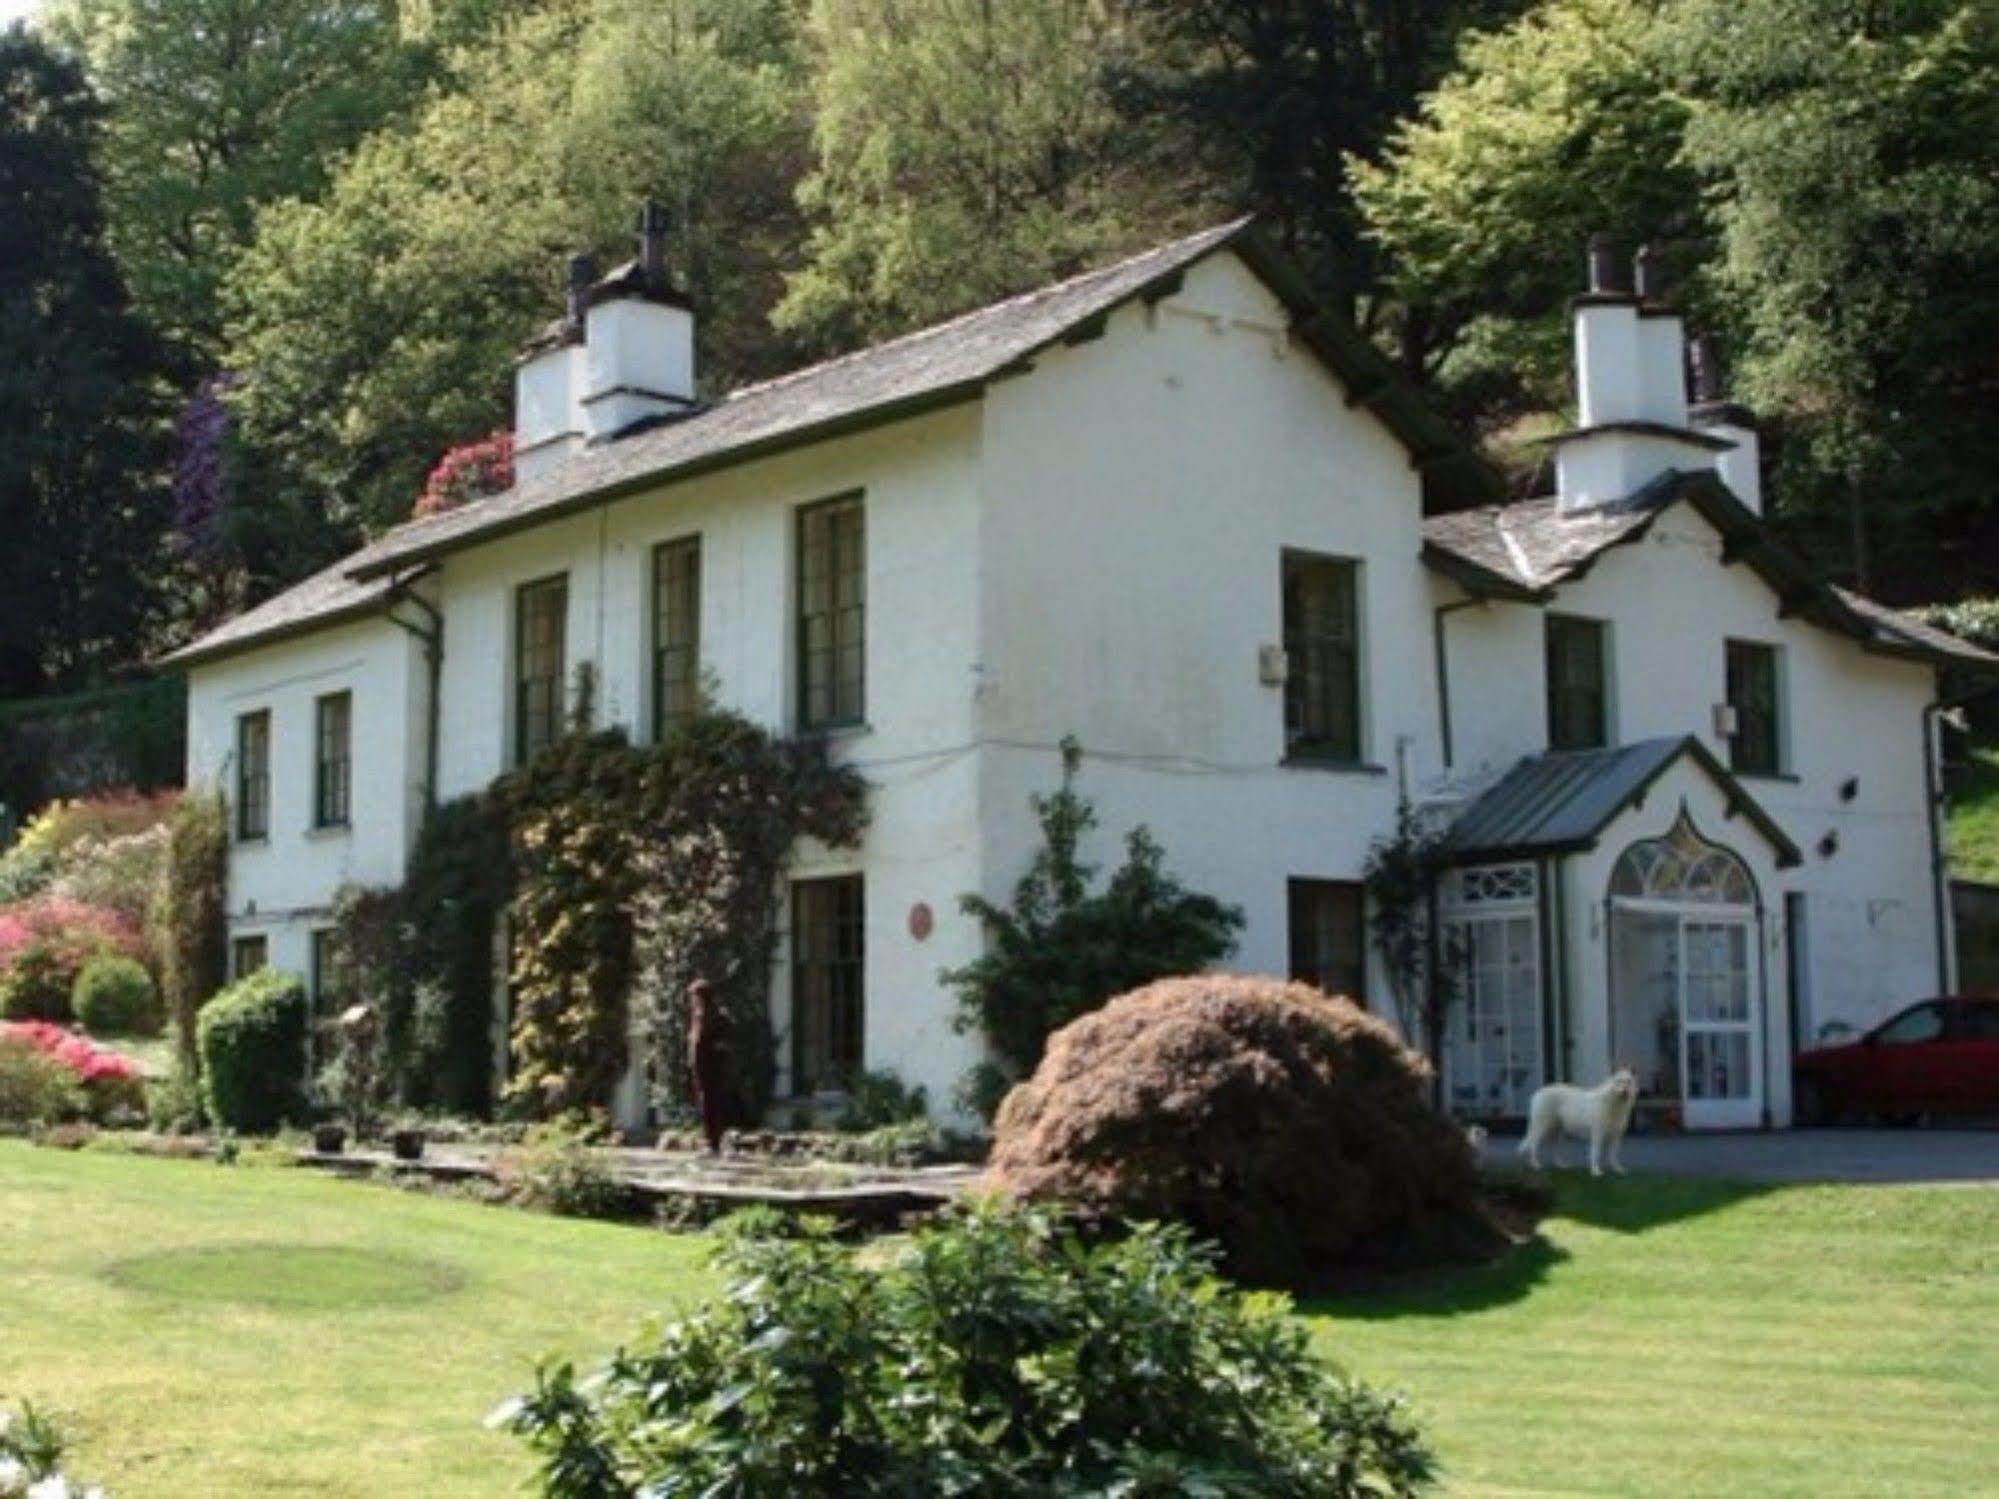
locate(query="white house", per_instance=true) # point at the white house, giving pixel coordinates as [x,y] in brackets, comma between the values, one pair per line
[1173,509]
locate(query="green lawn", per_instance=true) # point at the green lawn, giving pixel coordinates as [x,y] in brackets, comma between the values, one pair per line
[234,1332]
[1974,818]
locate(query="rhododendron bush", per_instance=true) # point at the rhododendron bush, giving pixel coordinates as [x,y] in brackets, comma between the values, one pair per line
[109,1080]
[44,945]
[470,471]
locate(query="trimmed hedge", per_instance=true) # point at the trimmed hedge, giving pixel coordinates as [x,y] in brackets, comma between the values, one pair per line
[115,997]
[1293,1129]
[252,1039]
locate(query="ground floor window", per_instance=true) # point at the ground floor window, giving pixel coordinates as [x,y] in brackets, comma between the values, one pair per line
[828,1011]
[1328,937]
[329,985]
[247,955]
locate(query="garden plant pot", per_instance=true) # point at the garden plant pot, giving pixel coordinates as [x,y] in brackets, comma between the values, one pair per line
[407,1144]
[329,1139]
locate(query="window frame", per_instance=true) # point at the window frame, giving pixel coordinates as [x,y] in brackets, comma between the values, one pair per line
[1775,740]
[332,775]
[686,619]
[253,788]
[1303,741]
[322,957]
[557,707]
[847,618]
[841,902]
[257,942]
[1312,966]
[1559,630]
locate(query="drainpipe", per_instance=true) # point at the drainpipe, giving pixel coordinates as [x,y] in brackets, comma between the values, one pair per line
[1444,670]
[1933,808]
[432,637]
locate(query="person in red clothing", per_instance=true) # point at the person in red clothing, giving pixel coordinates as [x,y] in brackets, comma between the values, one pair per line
[704,1060]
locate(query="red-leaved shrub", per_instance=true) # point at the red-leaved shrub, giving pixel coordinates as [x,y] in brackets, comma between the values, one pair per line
[1292,1128]
[470,471]
[46,942]
[110,1081]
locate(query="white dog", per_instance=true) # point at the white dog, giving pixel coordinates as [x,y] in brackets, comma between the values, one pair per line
[1603,1113]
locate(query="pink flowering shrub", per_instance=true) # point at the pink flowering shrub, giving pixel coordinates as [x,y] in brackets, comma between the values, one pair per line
[44,945]
[470,471]
[110,1080]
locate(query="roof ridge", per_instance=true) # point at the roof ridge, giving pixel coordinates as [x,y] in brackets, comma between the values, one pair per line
[1047,291]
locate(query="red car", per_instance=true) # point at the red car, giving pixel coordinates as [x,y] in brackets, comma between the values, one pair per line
[1937,1057]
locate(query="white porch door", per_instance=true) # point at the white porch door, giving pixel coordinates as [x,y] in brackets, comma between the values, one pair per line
[1720,1061]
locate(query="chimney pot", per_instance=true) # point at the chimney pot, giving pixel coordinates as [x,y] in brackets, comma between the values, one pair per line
[1651,265]
[1706,352]
[654,223]
[582,272]
[1606,270]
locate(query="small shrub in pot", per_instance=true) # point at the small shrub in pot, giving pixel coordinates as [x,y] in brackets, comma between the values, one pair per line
[1291,1128]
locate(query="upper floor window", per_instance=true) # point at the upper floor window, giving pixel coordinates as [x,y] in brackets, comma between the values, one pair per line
[1755,692]
[332,763]
[253,775]
[540,616]
[1578,684]
[1322,655]
[676,633]
[1328,936]
[828,1008]
[832,613]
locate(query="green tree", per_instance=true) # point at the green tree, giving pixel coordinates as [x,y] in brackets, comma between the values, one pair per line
[81,518]
[218,106]
[1276,101]
[964,150]
[1827,173]
[376,326]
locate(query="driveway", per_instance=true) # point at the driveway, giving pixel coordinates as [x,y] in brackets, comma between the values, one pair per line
[1798,1155]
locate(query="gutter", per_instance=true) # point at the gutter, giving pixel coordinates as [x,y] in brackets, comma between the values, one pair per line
[1933,803]
[431,636]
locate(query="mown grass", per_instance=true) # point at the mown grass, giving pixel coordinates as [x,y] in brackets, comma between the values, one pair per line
[1697,1338]
[233,1332]
[1974,818]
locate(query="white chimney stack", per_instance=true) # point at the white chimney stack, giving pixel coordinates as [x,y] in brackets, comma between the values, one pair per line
[623,352]
[1741,467]
[1631,394]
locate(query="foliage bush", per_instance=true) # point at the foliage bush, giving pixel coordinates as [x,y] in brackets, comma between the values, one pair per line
[1060,951]
[31,1454]
[992,1354]
[45,943]
[114,996]
[1291,1128]
[108,1085]
[252,1044]
[35,1088]
[879,1099]
[556,1171]
[189,922]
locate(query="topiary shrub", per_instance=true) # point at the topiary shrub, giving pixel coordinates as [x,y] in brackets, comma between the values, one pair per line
[993,1353]
[115,997]
[1293,1129]
[252,1042]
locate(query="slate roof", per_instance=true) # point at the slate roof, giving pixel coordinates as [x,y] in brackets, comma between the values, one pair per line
[1561,802]
[937,366]
[1528,549]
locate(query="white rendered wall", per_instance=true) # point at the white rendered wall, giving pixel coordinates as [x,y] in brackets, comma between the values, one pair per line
[281,887]
[918,479]
[1850,715]
[1140,490]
